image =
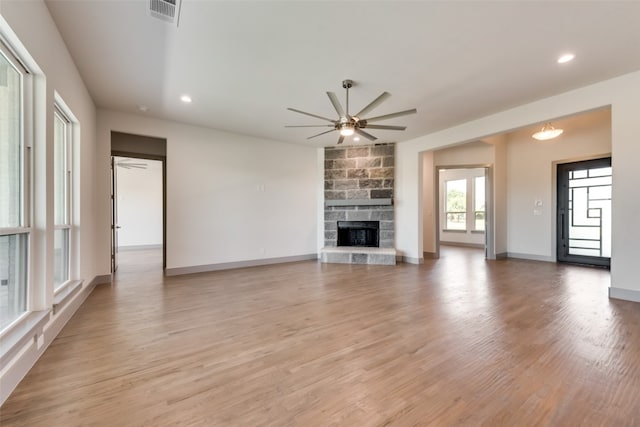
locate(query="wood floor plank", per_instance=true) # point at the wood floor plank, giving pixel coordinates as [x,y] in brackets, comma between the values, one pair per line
[455,341]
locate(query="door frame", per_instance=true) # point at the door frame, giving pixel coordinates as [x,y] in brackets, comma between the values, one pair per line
[163,159]
[489,230]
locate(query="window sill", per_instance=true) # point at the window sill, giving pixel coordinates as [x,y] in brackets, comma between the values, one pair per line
[65,293]
[446,230]
[19,336]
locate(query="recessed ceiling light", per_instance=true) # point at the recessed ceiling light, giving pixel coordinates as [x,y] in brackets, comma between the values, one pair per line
[357,138]
[566,58]
[185,98]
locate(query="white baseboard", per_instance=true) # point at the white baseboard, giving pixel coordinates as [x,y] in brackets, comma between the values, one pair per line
[101,280]
[411,260]
[624,294]
[463,244]
[176,271]
[138,247]
[531,257]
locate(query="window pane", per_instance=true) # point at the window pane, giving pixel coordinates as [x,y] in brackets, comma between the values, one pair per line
[456,192]
[456,221]
[13,277]
[457,195]
[479,203]
[60,257]
[59,170]
[10,145]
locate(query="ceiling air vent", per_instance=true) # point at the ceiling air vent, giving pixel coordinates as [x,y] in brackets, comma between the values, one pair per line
[167,10]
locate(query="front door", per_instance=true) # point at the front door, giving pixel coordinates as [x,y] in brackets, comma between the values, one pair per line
[584,212]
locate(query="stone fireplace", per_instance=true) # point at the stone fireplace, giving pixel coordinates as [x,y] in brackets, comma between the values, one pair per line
[359,215]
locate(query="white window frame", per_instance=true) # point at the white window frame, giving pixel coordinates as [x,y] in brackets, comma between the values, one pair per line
[470,201]
[60,113]
[26,135]
[474,204]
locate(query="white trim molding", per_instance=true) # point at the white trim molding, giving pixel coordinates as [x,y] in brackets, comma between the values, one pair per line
[177,271]
[624,294]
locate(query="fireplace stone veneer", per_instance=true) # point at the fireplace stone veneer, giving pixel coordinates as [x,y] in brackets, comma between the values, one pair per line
[358,184]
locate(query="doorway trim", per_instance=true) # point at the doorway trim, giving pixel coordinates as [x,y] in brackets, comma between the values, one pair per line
[162,159]
[149,148]
[489,233]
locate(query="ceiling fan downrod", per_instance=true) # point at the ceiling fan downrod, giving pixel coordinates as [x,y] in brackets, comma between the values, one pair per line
[347,84]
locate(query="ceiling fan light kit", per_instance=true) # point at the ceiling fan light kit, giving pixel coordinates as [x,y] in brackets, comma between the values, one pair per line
[348,124]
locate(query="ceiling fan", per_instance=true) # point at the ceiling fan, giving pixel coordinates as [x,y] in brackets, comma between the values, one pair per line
[349,124]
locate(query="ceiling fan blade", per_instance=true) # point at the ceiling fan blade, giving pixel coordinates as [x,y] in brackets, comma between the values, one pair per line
[341,139]
[368,126]
[392,115]
[336,104]
[308,126]
[309,114]
[373,104]
[321,133]
[365,134]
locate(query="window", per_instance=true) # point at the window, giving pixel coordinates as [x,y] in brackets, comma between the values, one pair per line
[456,204]
[463,206]
[62,197]
[479,207]
[14,191]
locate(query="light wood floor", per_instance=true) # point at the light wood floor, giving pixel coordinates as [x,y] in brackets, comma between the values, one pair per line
[457,341]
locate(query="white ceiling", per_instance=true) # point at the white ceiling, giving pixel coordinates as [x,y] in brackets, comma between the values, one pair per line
[244,63]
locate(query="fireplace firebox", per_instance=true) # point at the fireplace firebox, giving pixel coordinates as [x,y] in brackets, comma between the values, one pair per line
[359,233]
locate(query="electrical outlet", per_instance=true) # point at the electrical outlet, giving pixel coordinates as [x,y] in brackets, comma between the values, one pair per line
[40,341]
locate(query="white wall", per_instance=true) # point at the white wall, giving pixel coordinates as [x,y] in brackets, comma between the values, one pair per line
[139,196]
[230,197]
[475,153]
[498,224]
[429,204]
[621,93]
[28,27]
[531,168]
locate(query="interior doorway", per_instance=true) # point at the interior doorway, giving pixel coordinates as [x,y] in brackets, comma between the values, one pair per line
[463,207]
[138,205]
[584,212]
[131,155]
